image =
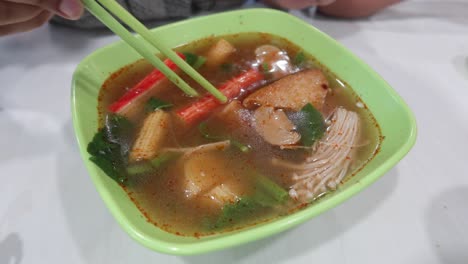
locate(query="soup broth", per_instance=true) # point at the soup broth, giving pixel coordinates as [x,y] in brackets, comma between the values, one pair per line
[230,167]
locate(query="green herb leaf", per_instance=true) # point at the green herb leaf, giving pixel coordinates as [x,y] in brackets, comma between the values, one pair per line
[119,123]
[194,60]
[265,67]
[233,212]
[242,147]
[299,58]
[154,104]
[199,62]
[99,145]
[267,194]
[109,148]
[309,123]
[117,128]
[190,58]
[109,168]
[264,199]
[202,128]
[271,188]
[107,156]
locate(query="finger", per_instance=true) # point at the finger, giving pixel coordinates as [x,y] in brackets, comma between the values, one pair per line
[11,13]
[70,9]
[28,25]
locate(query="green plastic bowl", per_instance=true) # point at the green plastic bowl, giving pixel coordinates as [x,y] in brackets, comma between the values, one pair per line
[393,115]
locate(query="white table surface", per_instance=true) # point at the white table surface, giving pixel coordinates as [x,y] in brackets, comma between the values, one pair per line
[417,213]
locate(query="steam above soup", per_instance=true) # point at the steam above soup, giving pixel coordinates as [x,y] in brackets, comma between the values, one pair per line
[289,133]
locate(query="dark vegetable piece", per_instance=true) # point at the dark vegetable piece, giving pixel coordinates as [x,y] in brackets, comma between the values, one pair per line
[190,58]
[299,58]
[309,123]
[154,104]
[109,168]
[107,156]
[227,67]
[204,131]
[118,128]
[108,148]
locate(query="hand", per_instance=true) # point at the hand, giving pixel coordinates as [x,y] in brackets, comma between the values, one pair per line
[298,4]
[25,15]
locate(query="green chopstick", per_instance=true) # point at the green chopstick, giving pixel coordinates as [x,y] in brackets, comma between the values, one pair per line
[137,44]
[120,12]
[139,28]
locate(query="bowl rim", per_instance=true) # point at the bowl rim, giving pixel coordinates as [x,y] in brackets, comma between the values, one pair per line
[262,230]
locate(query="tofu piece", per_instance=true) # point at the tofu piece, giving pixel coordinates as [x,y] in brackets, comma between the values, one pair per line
[292,92]
[219,52]
[202,172]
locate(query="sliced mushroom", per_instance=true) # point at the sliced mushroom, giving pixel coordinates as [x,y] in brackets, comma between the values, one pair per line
[202,172]
[292,92]
[275,127]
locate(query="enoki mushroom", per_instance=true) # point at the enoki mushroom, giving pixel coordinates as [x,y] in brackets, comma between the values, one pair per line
[329,163]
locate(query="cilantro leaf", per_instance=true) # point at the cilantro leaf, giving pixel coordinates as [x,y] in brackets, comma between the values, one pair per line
[233,212]
[154,104]
[309,123]
[194,60]
[109,147]
[107,156]
[299,58]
